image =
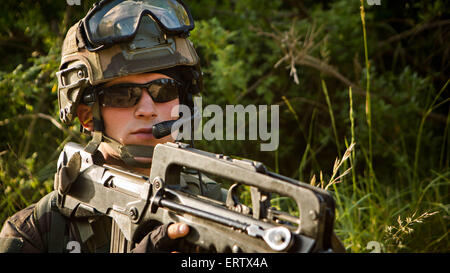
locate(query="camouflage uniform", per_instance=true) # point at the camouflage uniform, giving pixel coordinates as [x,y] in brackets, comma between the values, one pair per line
[41,227]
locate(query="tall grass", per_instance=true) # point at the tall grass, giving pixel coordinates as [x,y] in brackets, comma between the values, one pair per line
[430,109]
[411,216]
[371,210]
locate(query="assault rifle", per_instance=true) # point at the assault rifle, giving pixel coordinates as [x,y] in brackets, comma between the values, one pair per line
[136,203]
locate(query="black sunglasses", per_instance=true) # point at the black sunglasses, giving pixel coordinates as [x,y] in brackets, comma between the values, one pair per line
[125,95]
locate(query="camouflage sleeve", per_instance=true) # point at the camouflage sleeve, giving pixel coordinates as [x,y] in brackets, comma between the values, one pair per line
[20,233]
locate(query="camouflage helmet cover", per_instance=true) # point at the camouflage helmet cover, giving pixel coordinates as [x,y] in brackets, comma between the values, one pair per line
[150,50]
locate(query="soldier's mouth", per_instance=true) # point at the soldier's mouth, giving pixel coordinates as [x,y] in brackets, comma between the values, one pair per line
[144,134]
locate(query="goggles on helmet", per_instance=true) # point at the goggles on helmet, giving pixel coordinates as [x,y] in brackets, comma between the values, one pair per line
[126,95]
[113,21]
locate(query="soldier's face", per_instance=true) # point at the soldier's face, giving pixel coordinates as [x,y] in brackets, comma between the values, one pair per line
[133,125]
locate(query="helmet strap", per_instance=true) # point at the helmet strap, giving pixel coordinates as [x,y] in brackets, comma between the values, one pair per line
[127,153]
[97,134]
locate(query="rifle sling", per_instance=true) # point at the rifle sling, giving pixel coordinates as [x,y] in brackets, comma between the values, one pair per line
[57,229]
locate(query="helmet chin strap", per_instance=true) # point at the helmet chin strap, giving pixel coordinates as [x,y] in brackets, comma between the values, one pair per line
[127,153]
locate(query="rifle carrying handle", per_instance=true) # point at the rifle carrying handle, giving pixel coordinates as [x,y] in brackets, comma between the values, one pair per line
[315,205]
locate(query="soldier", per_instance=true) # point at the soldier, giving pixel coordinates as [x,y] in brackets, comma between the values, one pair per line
[125,67]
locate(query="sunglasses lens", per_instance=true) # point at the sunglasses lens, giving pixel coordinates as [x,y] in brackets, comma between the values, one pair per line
[128,95]
[120,96]
[163,91]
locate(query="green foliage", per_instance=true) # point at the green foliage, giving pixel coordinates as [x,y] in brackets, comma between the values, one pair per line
[222,67]
[252,52]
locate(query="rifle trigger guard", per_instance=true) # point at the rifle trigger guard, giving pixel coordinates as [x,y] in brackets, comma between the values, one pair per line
[233,203]
[157,190]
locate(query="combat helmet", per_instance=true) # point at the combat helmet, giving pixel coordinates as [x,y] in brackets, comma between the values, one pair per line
[125,37]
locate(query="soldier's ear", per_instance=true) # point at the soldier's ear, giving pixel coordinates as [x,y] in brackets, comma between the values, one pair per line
[84,114]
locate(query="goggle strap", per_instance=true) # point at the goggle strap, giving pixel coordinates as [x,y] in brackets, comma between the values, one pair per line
[79,36]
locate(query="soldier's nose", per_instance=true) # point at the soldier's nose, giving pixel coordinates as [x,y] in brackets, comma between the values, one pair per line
[146,106]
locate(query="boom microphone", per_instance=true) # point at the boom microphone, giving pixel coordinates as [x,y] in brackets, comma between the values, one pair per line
[162,129]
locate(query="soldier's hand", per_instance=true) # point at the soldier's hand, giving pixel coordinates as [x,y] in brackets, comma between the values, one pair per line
[177,230]
[163,238]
